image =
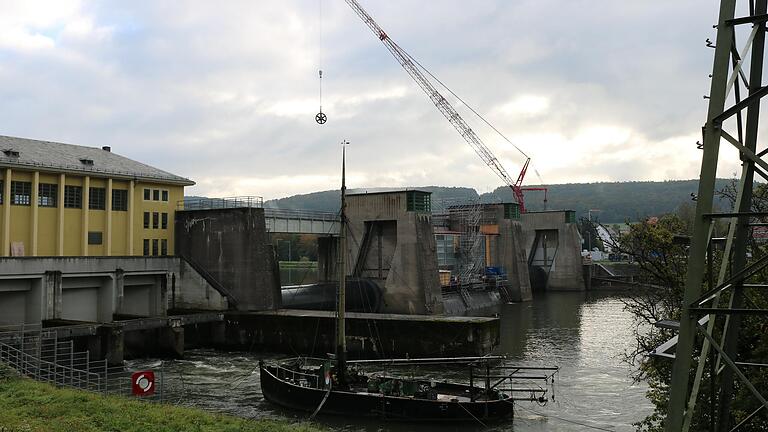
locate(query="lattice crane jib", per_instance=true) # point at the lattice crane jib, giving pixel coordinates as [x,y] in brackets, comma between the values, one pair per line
[732,118]
[442,104]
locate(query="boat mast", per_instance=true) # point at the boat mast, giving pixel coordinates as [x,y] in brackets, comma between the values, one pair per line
[341,340]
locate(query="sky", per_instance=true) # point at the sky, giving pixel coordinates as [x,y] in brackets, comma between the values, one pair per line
[225,93]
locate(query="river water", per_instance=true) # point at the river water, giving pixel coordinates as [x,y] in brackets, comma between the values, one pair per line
[585,334]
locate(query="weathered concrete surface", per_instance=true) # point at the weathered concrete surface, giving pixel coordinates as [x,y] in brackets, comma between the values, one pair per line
[95,289]
[287,331]
[395,247]
[233,246]
[511,254]
[565,272]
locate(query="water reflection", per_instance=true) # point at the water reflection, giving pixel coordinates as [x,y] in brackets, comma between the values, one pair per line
[584,334]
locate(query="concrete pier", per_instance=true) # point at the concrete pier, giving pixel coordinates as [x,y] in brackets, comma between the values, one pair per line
[554,250]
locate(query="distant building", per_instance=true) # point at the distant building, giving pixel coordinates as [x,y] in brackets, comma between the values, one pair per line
[69,200]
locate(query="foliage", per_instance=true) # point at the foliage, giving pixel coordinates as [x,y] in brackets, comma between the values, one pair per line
[617,201]
[29,406]
[658,247]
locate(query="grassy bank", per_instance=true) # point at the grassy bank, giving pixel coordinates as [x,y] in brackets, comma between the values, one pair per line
[30,406]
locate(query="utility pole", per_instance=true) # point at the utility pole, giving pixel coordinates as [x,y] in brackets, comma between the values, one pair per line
[732,120]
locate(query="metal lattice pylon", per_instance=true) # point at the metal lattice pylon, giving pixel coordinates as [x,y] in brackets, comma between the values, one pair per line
[733,114]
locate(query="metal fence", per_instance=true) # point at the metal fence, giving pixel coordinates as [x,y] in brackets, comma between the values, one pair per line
[220,203]
[37,353]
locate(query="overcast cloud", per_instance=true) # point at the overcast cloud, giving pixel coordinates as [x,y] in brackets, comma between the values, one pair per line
[225,92]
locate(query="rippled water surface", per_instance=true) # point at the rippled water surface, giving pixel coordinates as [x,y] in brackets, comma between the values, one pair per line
[584,334]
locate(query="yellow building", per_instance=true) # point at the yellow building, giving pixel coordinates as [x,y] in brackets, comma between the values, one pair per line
[68,200]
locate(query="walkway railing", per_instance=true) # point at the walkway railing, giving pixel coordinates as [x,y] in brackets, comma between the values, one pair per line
[220,203]
[37,353]
[300,214]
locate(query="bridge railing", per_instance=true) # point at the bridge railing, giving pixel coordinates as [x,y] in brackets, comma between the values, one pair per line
[300,214]
[220,203]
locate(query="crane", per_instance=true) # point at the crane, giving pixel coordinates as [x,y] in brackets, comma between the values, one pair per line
[413,68]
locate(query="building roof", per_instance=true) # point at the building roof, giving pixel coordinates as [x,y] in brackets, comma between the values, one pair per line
[383,190]
[52,156]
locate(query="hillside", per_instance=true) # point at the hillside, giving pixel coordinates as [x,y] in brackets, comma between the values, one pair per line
[331,201]
[617,201]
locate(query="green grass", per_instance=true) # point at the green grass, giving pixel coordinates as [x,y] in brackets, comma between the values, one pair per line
[30,406]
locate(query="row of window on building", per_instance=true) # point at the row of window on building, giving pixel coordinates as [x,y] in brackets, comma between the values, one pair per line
[159,247]
[155,195]
[47,196]
[159,220]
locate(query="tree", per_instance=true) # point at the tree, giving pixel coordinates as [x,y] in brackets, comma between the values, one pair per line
[659,248]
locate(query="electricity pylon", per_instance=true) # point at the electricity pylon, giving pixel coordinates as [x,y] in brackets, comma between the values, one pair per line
[733,114]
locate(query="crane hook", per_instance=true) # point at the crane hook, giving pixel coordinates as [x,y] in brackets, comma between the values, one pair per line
[320,117]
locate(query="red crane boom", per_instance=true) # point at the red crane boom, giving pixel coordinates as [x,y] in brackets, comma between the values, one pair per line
[442,104]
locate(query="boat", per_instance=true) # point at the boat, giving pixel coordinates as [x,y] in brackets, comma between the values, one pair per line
[337,386]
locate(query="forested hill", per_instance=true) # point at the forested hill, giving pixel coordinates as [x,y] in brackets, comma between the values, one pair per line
[617,201]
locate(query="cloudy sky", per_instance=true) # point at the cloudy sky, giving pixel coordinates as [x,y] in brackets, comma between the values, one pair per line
[225,92]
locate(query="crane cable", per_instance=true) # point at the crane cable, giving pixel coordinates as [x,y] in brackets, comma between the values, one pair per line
[422,67]
[461,100]
[320,118]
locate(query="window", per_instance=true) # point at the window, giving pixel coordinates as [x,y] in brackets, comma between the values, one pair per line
[21,193]
[146,194]
[154,247]
[86,161]
[164,221]
[97,198]
[47,194]
[165,195]
[164,247]
[146,219]
[73,197]
[94,237]
[11,153]
[146,247]
[119,200]
[155,220]
[156,194]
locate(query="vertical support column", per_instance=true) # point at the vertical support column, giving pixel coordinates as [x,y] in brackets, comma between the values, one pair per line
[60,207]
[86,211]
[131,187]
[35,215]
[108,221]
[679,383]
[7,212]
[49,293]
[119,290]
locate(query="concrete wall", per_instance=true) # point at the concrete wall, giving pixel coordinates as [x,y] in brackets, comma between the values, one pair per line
[565,273]
[410,279]
[233,246]
[99,289]
[510,253]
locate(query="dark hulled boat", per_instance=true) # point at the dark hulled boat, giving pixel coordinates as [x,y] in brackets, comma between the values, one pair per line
[304,384]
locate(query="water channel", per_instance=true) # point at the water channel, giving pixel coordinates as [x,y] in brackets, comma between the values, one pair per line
[583,333]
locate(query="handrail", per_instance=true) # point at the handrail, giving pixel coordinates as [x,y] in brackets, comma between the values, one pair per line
[220,203]
[300,214]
